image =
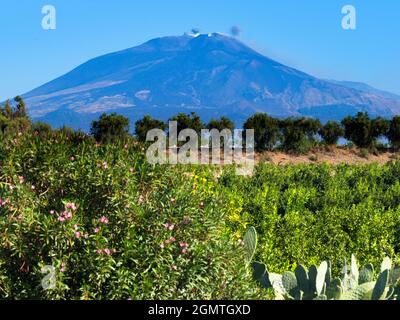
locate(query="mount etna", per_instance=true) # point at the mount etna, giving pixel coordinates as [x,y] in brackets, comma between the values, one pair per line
[213,75]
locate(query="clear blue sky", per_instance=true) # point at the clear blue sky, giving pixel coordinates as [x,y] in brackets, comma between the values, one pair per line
[305,34]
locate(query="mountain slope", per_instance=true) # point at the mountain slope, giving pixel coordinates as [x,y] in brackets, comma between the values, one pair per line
[211,74]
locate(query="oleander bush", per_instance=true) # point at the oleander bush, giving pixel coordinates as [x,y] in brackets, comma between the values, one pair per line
[87,220]
[109,226]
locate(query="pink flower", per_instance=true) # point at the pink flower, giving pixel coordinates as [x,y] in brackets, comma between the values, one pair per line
[172,239]
[104,220]
[166,225]
[62,268]
[184,251]
[174,267]
[202,205]
[173,200]
[72,206]
[21,179]
[33,187]
[171,227]
[72,158]
[52,212]
[125,146]
[75,226]
[99,251]
[68,215]
[162,246]
[97,230]
[241,242]
[183,245]
[61,219]
[131,170]
[107,251]
[167,241]
[86,236]
[105,165]
[77,234]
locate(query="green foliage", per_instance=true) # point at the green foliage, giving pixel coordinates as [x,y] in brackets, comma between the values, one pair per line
[145,125]
[394,132]
[298,134]
[110,128]
[302,286]
[265,131]
[112,226]
[308,213]
[14,120]
[221,124]
[331,132]
[363,131]
[188,121]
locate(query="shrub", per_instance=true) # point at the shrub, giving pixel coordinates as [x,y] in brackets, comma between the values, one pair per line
[363,131]
[221,124]
[112,226]
[145,125]
[110,128]
[265,131]
[190,121]
[298,134]
[331,132]
[394,132]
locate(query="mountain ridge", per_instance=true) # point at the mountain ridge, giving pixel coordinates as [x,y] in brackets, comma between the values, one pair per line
[211,74]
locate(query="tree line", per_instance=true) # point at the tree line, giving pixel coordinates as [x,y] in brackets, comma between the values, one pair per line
[293,134]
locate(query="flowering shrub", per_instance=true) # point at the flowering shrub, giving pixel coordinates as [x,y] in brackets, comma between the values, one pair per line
[101,223]
[112,226]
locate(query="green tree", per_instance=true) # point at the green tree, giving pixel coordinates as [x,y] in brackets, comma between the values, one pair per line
[7,110]
[394,132]
[298,134]
[188,121]
[363,131]
[331,132]
[145,125]
[110,128]
[20,109]
[265,131]
[221,124]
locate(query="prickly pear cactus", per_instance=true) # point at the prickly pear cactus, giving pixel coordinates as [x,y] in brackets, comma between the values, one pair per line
[366,274]
[250,244]
[317,284]
[362,292]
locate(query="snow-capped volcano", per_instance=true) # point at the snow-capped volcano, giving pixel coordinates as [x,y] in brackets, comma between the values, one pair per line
[211,74]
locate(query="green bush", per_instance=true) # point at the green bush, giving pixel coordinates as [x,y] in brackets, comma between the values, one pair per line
[310,213]
[110,128]
[331,132]
[265,131]
[112,226]
[143,126]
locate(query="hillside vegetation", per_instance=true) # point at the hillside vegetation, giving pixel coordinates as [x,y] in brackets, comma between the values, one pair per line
[110,226]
